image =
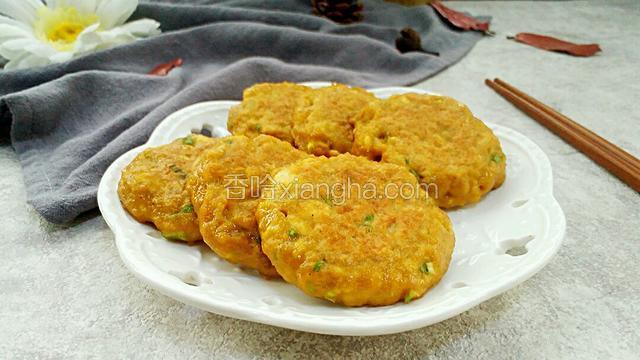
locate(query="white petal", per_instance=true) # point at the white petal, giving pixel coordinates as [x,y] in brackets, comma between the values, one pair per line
[13,64]
[8,32]
[87,40]
[41,49]
[89,30]
[53,4]
[61,57]
[114,12]
[8,21]
[15,48]
[26,61]
[83,6]
[8,54]
[91,39]
[102,40]
[21,10]
[13,39]
[142,27]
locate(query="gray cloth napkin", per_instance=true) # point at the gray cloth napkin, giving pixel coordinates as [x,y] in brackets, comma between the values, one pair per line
[70,121]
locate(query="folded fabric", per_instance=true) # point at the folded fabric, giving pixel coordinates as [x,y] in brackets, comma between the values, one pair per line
[70,121]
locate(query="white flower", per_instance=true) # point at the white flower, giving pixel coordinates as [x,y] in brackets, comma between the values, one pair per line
[35,34]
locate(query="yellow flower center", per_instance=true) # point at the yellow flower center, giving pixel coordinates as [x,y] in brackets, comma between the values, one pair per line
[61,26]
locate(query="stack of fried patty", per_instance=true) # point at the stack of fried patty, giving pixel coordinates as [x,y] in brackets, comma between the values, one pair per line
[332,189]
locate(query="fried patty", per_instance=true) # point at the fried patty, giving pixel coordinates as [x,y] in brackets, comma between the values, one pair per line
[267,108]
[152,187]
[225,188]
[354,244]
[317,121]
[439,140]
[323,125]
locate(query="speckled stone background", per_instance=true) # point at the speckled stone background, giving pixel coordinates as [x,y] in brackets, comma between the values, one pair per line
[65,293]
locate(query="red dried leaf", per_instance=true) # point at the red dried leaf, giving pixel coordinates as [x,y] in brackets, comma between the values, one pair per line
[553,44]
[460,20]
[164,69]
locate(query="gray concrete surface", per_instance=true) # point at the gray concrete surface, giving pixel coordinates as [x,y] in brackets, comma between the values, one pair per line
[65,293]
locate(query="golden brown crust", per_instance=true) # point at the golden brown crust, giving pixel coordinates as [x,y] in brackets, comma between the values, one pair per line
[152,187]
[439,140]
[324,124]
[317,121]
[225,193]
[268,109]
[358,249]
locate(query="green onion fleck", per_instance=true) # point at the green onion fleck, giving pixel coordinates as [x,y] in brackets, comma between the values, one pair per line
[319,265]
[293,233]
[327,200]
[175,236]
[368,222]
[187,209]
[427,268]
[410,296]
[330,295]
[406,161]
[414,172]
[257,127]
[310,287]
[188,140]
[496,158]
[229,142]
[178,171]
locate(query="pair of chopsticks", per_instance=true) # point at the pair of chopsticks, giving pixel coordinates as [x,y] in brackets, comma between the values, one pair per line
[617,161]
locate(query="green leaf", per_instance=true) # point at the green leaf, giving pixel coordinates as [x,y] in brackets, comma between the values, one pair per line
[293,233]
[496,158]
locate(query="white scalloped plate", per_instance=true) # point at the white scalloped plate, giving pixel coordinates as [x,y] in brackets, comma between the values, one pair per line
[521,216]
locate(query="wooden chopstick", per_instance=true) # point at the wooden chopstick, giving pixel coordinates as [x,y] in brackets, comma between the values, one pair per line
[600,141]
[615,160]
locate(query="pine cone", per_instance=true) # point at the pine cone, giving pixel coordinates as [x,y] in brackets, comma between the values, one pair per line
[409,40]
[340,11]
